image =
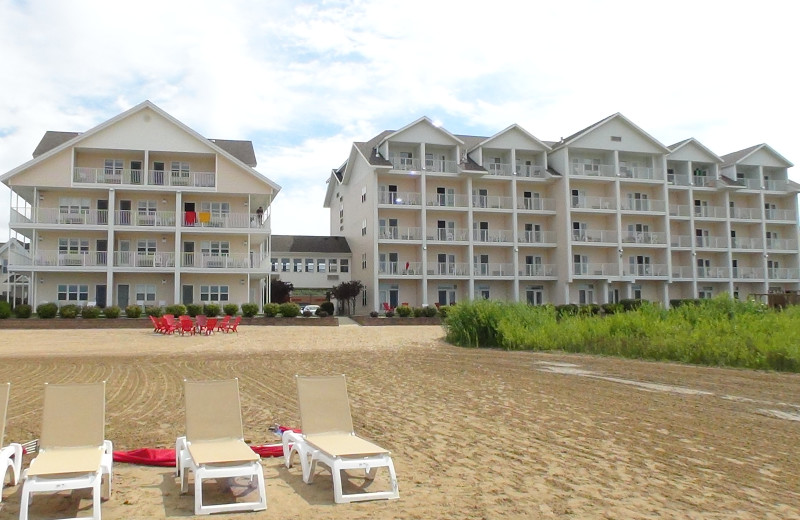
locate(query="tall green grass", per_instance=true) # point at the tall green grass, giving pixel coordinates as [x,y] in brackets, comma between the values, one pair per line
[722,332]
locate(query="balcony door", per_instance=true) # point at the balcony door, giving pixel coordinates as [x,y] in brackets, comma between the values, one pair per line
[102,211]
[125,212]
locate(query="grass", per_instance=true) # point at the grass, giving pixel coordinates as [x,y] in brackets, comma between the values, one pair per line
[720,332]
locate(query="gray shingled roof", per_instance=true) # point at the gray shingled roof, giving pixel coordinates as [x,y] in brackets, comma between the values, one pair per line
[52,139]
[732,157]
[308,244]
[679,143]
[367,149]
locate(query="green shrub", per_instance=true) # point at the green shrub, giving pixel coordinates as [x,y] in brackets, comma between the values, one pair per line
[211,310]
[416,312]
[327,307]
[249,309]
[133,311]
[568,309]
[23,311]
[271,310]
[5,310]
[90,312]
[443,310]
[154,311]
[611,308]
[591,309]
[429,312]
[674,304]
[176,310]
[630,304]
[289,310]
[321,313]
[307,314]
[389,314]
[47,311]
[373,314]
[404,311]
[230,309]
[194,309]
[112,312]
[69,311]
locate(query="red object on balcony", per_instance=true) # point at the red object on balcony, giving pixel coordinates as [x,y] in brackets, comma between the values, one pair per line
[189,218]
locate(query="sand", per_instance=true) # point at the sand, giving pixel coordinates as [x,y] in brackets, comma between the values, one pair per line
[474,433]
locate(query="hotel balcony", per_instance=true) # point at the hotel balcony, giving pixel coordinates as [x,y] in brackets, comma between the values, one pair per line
[602,203]
[397,198]
[448,269]
[492,202]
[750,184]
[781,244]
[155,178]
[492,236]
[776,185]
[531,171]
[685,272]
[205,219]
[702,181]
[595,236]
[642,205]
[713,272]
[711,212]
[593,269]
[430,165]
[742,273]
[645,270]
[233,261]
[448,235]
[535,204]
[399,233]
[681,240]
[149,219]
[641,173]
[447,201]
[499,169]
[136,259]
[747,243]
[493,269]
[679,179]
[645,237]
[745,213]
[69,259]
[538,270]
[399,268]
[593,170]
[679,210]
[783,273]
[55,216]
[780,214]
[712,242]
[537,237]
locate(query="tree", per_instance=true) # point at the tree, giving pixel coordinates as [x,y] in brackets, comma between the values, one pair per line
[280,291]
[347,293]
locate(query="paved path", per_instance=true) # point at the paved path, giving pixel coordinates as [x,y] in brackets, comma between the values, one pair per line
[344,321]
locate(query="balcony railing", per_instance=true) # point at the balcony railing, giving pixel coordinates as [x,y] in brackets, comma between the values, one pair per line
[83,175]
[710,212]
[493,269]
[783,273]
[400,268]
[753,184]
[713,272]
[536,204]
[530,171]
[593,269]
[594,235]
[107,176]
[538,270]
[221,261]
[449,269]
[580,202]
[776,185]
[711,241]
[702,180]
[746,243]
[194,179]
[492,201]
[399,233]
[400,198]
[593,170]
[681,240]
[747,272]
[642,205]
[679,210]
[682,271]
[645,237]
[207,219]
[447,200]
[641,172]
[492,235]
[781,244]
[137,259]
[678,179]
[745,213]
[135,218]
[499,169]
[431,165]
[537,237]
[645,270]
[448,235]
[69,259]
[84,217]
[779,214]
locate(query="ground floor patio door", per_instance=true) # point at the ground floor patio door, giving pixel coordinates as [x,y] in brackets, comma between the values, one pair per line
[122,295]
[188,294]
[100,295]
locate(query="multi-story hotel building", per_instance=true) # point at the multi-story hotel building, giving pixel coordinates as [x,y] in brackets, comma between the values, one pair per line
[605,214]
[142,210]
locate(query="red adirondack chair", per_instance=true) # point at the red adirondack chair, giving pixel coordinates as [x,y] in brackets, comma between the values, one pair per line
[200,322]
[211,324]
[223,325]
[170,325]
[234,325]
[156,324]
[186,325]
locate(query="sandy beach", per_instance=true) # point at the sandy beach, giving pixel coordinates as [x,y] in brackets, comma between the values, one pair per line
[477,434]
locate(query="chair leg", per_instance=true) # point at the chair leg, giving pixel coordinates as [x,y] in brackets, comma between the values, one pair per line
[96,497]
[198,495]
[25,501]
[336,473]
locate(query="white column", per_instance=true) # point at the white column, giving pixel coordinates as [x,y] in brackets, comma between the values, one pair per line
[515,224]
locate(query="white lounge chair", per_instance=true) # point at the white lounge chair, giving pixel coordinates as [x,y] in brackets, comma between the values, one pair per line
[11,455]
[328,437]
[214,446]
[72,451]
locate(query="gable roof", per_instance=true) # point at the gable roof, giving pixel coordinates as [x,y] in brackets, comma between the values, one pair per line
[677,146]
[506,130]
[242,150]
[737,157]
[52,139]
[423,119]
[147,104]
[580,133]
[309,244]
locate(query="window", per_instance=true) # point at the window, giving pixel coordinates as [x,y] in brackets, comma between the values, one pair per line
[145,293]
[346,264]
[363,261]
[333,265]
[586,294]
[483,291]
[73,293]
[285,265]
[321,265]
[706,293]
[217,209]
[217,248]
[637,291]
[364,194]
[616,138]
[73,246]
[73,206]
[534,295]
[213,293]
[146,247]
[364,228]
[309,265]
[147,207]
[364,296]
[179,168]
[113,166]
[298,265]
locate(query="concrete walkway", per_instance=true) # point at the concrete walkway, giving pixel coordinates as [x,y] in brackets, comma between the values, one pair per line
[344,321]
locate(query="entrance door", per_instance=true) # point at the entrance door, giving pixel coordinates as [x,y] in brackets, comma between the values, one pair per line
[102,211]
[188,294]
[100,295]
[122,295]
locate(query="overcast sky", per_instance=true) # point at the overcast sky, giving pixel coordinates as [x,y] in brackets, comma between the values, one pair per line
[303,80]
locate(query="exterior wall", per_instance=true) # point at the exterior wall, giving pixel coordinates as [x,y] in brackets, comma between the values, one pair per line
[51,173]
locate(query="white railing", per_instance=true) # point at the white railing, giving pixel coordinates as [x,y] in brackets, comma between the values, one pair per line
[678,179]
[58,216]
[536,204]
[679,210]
[645,270]
[537,237]
[593,170]
[776,185]
[493,269]
[448,235]
[682,271]
[404,163]
[449,269]
[642,205]
[753,184]
[492,201]
[594,235]
[713,272]
[711,241]
[68,259]
[441,166]
[644,237]
[781,243]
[745,213]
[499,169]
[84,175]
[783,273]
[747,272]
[710,212]
[538,270]
[779,214]
[399,233]
[400,268]
[746,243]
[207,219]
[702,180]
[136,259]
[447,201]
[594,269]
[579,201]
[530,171]
[492,235]
[399,198]
[135,218]
[219,261]
[681,240]
[169,178]
[641,172]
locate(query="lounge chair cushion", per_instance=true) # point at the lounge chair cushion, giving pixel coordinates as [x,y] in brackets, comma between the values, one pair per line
[225,451]
[344,445]
[66,461]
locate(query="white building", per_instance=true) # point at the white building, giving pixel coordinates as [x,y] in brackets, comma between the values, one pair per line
[605,214]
